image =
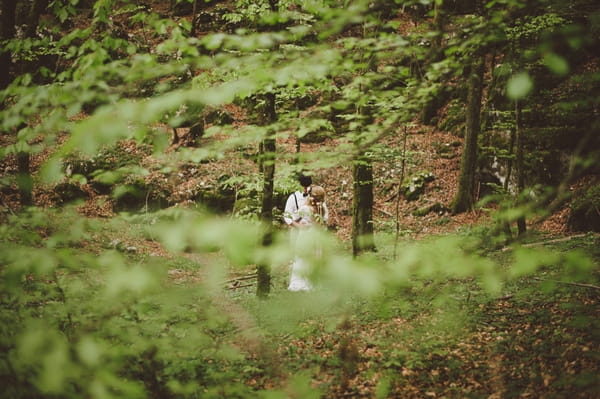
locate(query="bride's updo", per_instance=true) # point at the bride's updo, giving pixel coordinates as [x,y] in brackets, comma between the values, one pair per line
[317,197]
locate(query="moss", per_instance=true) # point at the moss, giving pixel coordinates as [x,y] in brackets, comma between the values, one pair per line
[585,210]
[416,185]
[454,119]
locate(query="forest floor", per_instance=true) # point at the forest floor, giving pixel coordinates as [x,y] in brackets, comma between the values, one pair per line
[539,339]
[532,341]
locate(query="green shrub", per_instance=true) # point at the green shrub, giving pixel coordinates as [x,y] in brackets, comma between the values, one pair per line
[585,210]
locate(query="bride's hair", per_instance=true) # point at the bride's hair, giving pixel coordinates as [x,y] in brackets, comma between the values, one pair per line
[317,197]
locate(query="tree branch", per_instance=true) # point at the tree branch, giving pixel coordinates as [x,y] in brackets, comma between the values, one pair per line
[595,287]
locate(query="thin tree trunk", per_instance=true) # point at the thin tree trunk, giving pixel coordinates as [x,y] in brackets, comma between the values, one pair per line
[194,13]
[521,224]
[464,199]
[37,8]
[362,206]
[24,179]
[8,32]
[439,21]
[399,193]
[362,199]
[267,115]
[509,165]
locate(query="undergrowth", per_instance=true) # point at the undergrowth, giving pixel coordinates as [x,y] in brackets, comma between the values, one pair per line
[107,307]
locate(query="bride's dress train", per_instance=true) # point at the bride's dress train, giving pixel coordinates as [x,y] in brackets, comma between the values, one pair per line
[303,241]
[299,276]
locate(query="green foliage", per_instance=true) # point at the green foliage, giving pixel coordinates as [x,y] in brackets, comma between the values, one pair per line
[416,185]
[519,86]
[536,26]
[248,11]
[584,210]
[113,314]
[143,315]
[455,118]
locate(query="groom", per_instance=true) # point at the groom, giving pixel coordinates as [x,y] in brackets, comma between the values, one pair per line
[299,267]
[296,200]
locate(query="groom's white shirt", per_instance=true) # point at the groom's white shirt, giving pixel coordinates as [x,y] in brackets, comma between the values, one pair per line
[291,210]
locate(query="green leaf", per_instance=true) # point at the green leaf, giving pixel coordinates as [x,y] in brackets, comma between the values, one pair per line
[62,14]
[528,260]
[122,190]
[55,368]
[186,25]
[556,64]
[121,279]
[89,351]
[519,86]
[46,350]
[51,171]
[213,42]
[81,179]
[107,176]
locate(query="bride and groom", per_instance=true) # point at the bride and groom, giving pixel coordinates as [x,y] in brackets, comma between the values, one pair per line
[304,212]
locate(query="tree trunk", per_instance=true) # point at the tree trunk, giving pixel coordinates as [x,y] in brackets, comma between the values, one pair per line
[24,179]
[267,115]
[399,192]
[509,164]
[430,109]
[274,5]
[37,9]
[194,17]
[439,21]
[464,199]
[362,206]
[521,224]
[362,199]
[196,132]
[8,32]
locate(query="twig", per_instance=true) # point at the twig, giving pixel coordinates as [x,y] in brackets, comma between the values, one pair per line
[235,287]
[554,240]
[595,287]
[534,244]
[382,211]
[248,277]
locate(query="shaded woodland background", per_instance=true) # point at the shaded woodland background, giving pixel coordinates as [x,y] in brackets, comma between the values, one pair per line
[148,148]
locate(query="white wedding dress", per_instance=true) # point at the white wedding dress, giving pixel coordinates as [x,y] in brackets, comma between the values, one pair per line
[302,241]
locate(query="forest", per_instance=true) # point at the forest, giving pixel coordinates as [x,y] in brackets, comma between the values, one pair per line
[148,148]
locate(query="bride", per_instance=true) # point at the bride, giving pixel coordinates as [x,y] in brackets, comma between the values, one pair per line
[312,214]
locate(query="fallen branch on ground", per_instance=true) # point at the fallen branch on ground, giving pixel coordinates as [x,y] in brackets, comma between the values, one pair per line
[568,283]
[535,244]
[237,279]
[235,287]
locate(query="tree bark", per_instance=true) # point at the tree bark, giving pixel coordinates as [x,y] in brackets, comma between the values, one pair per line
[274,5]
[362,206]
[267,115]
[24,179]
[521,224]
[37,8]
[464,199]
[399,192]
[362,199]
[439,21]
[8,16]
[194,16]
